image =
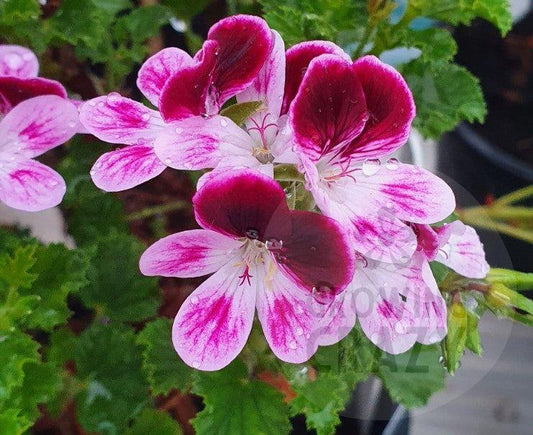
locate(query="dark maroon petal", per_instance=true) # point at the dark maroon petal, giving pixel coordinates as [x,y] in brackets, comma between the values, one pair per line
[241,203]
[187,93]
[390,106]
[244,43]
[13,90]
[298,58]
[329,110]
[315,253]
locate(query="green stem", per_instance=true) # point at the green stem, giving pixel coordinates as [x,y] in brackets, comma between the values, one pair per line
[511,278]
[515,196]
[158,209]
[519,233]
[499,212]
[371,24]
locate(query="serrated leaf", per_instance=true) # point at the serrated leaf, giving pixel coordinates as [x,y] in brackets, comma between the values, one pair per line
[164,369]
[240,112]
[116,289]
[59,271]
[141,23]
[153,421]
[235,404]
[15,269]
[436,44]
[445,94]
[455,340]
[109,364]
[12,11]
[411,378]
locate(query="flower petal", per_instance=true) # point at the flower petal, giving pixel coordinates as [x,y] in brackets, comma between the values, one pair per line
[14,90]
[410,193]
[298,58]
[126,168]
[338,320]
[116,119]
[30,186]
[315,252]
[244,43]
[251,202]
[427,239]
[431,323]
[157,69]
[188,254]
[390,106]
[329,110]
[189,91]
[198,143]
[463,251]
[18,61]
[269,84]
[214,322]
[38,125]
[287,319]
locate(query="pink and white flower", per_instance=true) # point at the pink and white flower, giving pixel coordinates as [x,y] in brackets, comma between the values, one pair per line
[263,256]
[189,93]
[30,129]
[345,117]
[18,78]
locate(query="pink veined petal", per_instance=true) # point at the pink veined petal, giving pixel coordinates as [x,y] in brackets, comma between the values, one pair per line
[390,106]
[464,252]
[241,202]
[386,321]
[119,120]
[157,69]
[428,240]
[287,319]
[189,91]
[431,323]
[81,128]
[268,86]
[30,186]
[315,252]
[198,143]
[329,110]
[14,90]
[338,320]
[18,61]
[244,43]
[188,254]
[38,125]
[126,168]
[214,322]
[298,58]
[408,192]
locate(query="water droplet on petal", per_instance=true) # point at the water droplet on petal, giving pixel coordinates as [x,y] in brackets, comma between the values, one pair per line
[13,60]
[371,167]
[194,300]
[307,90]
[146,116]
[293,345]
[274,244]
[168,161]
[179,130]
[196,364]
[308,336]
[322,294]
[53,183]
[399,328]
[72,124]
[299,331]
[113,98]
[98,165]
[392,164]
[92,103]
[313,248]
[252,233]
[442,361]
[223,122]
[101,104]
[92,172]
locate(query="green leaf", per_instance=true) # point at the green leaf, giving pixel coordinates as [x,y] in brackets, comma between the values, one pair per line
[186,9]
[141,23]
[239,113]
[439,270]
[236,404]
[498,12]
[445,94]
[109,365]
[116,288]
[412,377]
[112,6]
[59,272]
[152,421]
[455,341]
[164,369]
[15,270]
[435,44]
[12,11]
[473,340]
[90,212]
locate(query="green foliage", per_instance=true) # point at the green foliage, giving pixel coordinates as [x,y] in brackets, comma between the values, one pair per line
[236,404]
[445,94]
[473,340]
[151,421]
[186,9]
[455,341]
[411,378]
[164,369]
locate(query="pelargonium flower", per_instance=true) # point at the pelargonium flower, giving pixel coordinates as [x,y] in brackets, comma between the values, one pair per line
[30,129]
[263,256]
[189,93]
[18,78]
[345,117]
[399,304]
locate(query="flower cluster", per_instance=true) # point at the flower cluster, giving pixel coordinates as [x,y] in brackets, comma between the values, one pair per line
[323,128]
